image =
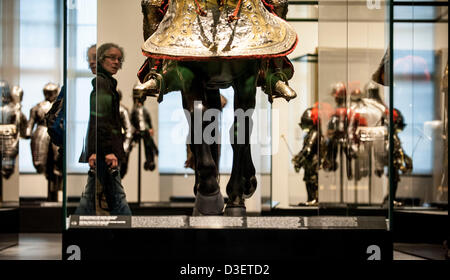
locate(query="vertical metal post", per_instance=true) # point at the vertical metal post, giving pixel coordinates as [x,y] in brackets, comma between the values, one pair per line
[341,173]
[391,115]
[64,200]
[139,172]
[370,171]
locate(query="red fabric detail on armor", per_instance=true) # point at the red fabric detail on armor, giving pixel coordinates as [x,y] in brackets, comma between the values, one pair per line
[209,58]
[269,7]
[394,113]
[325,109]
[143,71]
[342,112]
[362,121]
[234,16]
[163,7]
[199,9]
[315,115]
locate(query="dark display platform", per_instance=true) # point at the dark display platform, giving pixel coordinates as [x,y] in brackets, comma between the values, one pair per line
[218,239]
[421,225]
[9,227]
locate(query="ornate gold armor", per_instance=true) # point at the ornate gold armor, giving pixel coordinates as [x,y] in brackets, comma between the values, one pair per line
[196,29]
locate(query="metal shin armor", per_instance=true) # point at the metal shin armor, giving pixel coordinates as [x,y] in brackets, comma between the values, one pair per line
[127,128]
[205,29]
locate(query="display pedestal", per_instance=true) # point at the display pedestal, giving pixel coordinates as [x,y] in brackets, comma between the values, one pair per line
[220,239]
[9,228]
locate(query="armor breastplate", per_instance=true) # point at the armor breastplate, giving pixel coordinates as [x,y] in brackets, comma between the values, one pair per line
[184,34]
[370,110]
[42,109]
[8,131]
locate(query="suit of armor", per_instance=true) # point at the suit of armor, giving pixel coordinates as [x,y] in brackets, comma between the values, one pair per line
[194,38]
[17,96]
[127,132]
[311,157]
[337,132]
[368,137]
[44,152]
[402,162]
[142,123]
[9,131]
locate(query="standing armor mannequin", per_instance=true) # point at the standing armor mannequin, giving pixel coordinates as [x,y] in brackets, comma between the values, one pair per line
[380,153]
[311,157]
[402,162]
[9,132]
[337,129]
[367,138]
[44,152]
[142,123]
[17,96]
[127,134]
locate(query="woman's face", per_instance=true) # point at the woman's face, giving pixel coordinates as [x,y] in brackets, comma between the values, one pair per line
[112,61]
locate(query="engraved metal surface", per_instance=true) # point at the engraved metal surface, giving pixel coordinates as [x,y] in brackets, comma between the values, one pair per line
[183,32]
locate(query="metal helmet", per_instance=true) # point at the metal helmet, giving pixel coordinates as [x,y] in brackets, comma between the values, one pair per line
[339,92]
[5,92]
[309,119]
[51,91]
[17,94]
[356,94]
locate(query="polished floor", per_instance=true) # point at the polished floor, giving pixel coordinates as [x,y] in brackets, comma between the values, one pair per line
[47,246]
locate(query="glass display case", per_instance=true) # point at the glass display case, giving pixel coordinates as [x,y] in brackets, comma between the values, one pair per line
[334,144]
[352,43]
[419,85]
[11,123]
[167,187]
[349,163]
[337,43]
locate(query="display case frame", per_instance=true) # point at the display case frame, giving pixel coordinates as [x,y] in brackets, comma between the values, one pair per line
[132,236]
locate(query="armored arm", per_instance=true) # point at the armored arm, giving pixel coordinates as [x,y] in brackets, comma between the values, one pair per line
[127,128]
[22,125]
[148,120]
[31,121]
[307,151]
